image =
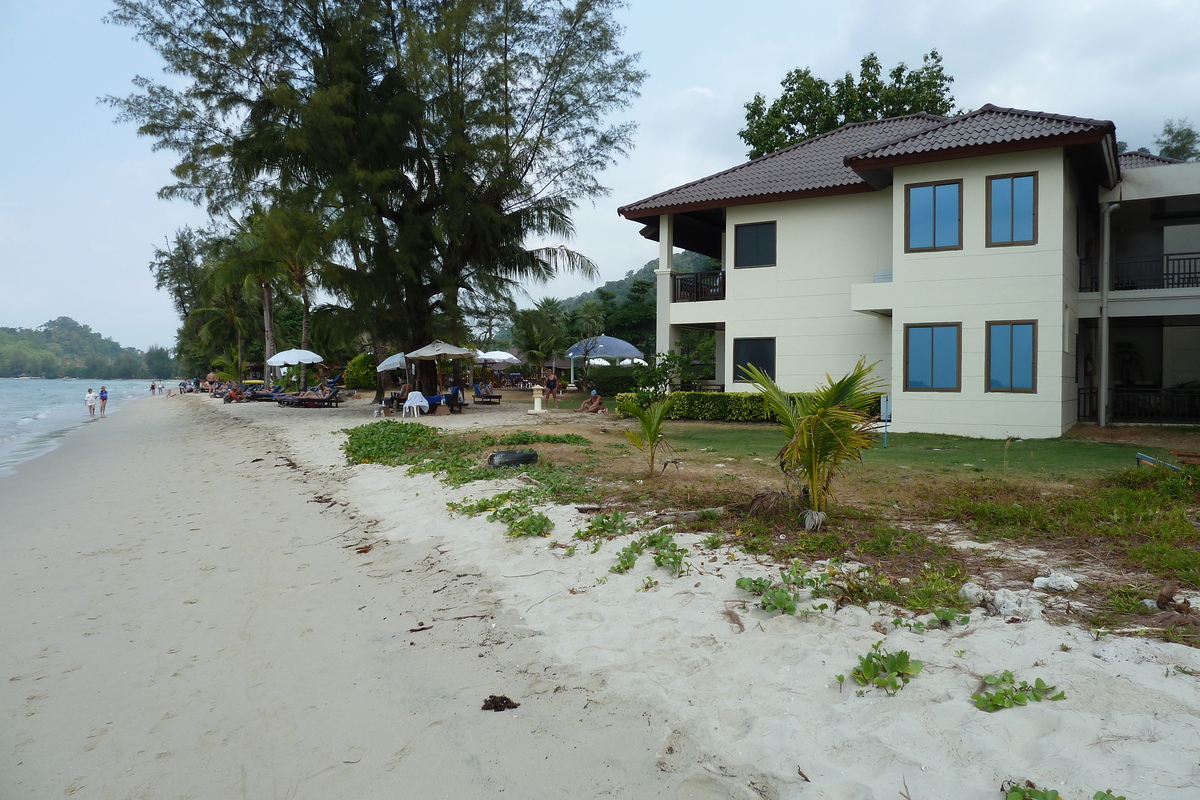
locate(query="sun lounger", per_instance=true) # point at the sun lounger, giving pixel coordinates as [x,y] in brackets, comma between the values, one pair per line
[330,400]
[486,399]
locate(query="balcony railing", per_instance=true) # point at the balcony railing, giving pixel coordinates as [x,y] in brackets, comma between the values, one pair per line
[1171,271]
[1156,405]
[696,287]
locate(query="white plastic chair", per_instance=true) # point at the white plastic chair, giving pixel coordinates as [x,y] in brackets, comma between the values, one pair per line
[416,403]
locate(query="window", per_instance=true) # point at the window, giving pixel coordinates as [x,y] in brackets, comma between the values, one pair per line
[933,214]
[932,357]
[754,245]
[1012,210]
[759,352]
[1012,356]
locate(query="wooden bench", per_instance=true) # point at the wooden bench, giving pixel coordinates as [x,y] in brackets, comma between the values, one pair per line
[1186,457]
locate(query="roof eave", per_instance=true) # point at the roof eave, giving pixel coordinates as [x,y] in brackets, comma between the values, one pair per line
[644,216]
[863,164]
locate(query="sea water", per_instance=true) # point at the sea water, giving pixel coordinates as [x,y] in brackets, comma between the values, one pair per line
[36,413]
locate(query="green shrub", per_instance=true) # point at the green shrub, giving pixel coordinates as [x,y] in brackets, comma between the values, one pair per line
[611,381]
[714,406]
[360,372]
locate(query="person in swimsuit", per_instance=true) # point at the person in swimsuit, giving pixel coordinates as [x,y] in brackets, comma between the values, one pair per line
[103,399]
[551,387]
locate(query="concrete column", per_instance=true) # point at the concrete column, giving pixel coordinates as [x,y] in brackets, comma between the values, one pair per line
[719,373]
[666,263]
[1104,356]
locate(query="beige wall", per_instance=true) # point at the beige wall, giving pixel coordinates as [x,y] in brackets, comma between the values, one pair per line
[824,246]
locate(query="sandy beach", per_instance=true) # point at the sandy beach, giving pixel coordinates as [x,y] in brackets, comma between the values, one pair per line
[204,601]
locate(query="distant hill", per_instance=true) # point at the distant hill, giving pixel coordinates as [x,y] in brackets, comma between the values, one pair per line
[685,261]
[65,348]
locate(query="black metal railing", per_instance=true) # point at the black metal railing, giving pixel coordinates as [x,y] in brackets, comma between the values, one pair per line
[1088,404]
[696,287]
[1171,271]
[1156,405]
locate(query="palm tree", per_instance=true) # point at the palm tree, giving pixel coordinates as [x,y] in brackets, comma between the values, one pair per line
[649,435]
[825,428]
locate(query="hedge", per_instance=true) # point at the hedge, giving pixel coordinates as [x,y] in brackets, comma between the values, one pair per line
[714,406]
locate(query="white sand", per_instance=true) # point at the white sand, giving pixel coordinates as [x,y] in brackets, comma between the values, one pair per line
[184,621]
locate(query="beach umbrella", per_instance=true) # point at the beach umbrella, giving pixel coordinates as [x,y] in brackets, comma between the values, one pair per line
[391,362]
[606,346]
[438,350]
[294,357]
[500,357]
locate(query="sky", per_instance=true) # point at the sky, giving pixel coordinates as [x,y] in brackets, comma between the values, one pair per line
[80,216]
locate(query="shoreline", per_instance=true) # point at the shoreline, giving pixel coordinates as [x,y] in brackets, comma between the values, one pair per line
[277,660]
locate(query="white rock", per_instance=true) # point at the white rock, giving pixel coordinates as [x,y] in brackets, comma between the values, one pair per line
[1007,603]
[972,593]
[1151,605]
[1057,582]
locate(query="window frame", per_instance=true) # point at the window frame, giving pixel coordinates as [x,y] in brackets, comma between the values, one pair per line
[988,210]
[987,356]
[736,228]
[738,377]
[908,187]
[908,387]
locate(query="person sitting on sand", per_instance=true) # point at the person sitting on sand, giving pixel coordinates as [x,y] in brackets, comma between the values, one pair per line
[235,395]
[593,405]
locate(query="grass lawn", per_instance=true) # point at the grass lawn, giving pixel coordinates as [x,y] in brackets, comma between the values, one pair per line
[1062,459]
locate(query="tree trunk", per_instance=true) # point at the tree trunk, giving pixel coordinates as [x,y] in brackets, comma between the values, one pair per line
[268,330]
[304,334]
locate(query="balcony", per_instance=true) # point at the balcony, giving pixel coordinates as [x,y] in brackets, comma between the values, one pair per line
[697,287]
[1171,271]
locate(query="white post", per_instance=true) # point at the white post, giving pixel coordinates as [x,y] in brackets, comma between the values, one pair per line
[666,264]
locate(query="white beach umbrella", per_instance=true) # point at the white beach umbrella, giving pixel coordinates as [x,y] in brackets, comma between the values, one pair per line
[294,357]
[500,357]
[391,362]
[439,349]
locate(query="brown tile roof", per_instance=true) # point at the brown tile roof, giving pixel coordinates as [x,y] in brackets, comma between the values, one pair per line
[815,165]
[855,157]
[989,128]
[1136,160]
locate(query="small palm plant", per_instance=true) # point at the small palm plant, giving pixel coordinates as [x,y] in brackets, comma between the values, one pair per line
[825,428]
[649,435]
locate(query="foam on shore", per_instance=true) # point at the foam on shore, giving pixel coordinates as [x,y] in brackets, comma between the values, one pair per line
[189,614]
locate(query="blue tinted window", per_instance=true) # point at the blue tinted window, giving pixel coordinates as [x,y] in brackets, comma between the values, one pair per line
[931,357]
[920,358]
[945,227]
[933,216]
[920,217]
[1013,210]
[1012,357]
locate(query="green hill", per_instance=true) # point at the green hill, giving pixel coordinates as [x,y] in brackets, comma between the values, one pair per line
[64,348]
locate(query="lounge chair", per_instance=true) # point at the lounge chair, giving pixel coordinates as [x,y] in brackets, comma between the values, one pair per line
[330,400]
[486,399]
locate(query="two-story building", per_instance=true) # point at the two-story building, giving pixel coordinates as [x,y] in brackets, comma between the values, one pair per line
[1007,269]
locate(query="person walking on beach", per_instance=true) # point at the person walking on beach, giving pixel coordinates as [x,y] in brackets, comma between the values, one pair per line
[90,398]
[551,387]
[103,399]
